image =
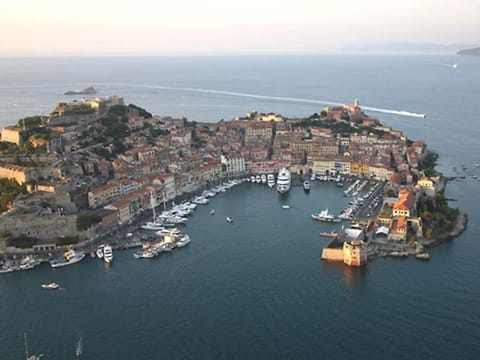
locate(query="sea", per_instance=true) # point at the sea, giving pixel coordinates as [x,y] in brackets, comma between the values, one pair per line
[256,288]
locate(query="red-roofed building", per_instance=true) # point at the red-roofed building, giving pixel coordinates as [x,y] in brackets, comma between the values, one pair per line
[405,206]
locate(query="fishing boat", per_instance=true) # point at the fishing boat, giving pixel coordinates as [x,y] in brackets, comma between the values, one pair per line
[51,286]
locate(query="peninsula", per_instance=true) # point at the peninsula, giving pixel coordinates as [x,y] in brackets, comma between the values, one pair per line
[469,52]
[93,165]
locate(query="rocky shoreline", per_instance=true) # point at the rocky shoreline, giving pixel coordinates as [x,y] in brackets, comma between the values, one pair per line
[460,227]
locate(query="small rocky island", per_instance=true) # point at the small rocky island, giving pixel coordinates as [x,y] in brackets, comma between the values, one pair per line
[87,91]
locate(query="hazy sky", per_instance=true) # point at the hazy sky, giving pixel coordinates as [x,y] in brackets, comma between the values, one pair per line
[49,27]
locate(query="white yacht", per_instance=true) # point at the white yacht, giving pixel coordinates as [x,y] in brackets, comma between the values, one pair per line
[185,240]
[69,258]
[284,181]
[153,225]
[263,177]
[51,286]
[107,254]
[99,252]
[270,180]
[306,186]
[324,215]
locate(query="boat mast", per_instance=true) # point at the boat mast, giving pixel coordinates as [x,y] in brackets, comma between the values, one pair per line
[153,204]
[164,202]
[26,346]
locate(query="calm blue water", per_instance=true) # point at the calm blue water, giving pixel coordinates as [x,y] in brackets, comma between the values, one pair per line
[257,288]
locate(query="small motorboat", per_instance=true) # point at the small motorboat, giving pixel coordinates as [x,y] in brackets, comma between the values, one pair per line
[285,206]
[212,212]
[51,286]
[229,219]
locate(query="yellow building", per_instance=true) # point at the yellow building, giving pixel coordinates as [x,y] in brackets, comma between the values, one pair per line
[12,134]
[359,169]
[355,253]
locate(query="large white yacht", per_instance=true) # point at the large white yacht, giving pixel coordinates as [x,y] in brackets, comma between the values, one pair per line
[69,258]
[284,181]
[107,254]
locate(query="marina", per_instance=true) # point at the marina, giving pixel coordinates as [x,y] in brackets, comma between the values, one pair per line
[176,271]
[224,281]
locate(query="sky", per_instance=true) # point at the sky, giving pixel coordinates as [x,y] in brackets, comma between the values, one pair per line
[214,27]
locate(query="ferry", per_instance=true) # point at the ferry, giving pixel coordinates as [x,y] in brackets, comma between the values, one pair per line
[284,181]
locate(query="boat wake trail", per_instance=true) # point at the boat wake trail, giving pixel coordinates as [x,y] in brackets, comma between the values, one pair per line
[268,97]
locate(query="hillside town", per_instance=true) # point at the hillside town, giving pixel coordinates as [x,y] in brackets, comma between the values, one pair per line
[94,164]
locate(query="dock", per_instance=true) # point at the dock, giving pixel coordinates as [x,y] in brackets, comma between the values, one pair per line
[331,234]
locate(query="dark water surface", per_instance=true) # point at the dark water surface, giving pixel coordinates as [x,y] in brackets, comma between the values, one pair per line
[256,288]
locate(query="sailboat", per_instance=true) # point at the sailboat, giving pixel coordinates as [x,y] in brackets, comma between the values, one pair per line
[30,357]
[79,347]
[155,224]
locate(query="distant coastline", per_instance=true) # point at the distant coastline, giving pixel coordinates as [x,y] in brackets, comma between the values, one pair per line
[469,52]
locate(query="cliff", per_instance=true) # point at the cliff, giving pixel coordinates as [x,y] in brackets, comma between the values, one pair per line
[469,52]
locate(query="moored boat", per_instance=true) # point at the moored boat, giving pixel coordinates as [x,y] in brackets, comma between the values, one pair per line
[107,254]
[306,186]
[284,181]
[325,216]
[423,256]
[99,252]
[185,240]
[270,180]
[70,257]
[153,225]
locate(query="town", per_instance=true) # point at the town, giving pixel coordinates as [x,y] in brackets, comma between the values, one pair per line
[94,165]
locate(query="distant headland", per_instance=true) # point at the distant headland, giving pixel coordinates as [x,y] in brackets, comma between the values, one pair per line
[469,52]
[87,91]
